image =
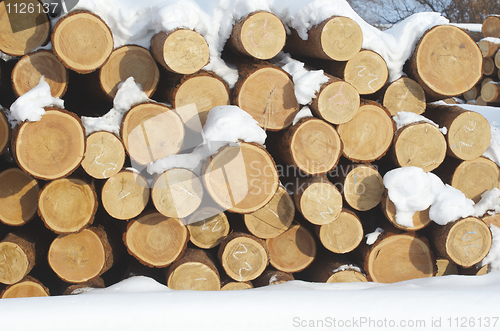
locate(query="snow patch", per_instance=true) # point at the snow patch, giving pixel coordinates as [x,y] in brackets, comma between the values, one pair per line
[371,238]
[404,118]
[302,113]
[351,266]
[493,257]
[492,40]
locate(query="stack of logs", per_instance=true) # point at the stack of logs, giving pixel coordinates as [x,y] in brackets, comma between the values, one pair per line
[74,216]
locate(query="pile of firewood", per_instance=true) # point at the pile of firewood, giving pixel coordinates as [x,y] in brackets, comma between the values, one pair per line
[73,215]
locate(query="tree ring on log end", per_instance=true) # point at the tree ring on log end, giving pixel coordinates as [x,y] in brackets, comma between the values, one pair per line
[263,35]
[244,259]
[341,38]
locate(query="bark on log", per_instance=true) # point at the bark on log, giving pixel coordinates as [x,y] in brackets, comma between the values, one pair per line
[181,51]
[488,48]
[293,250]
[18,258]
[368,136]
[207,227]
[104,156]
[336,102]
[446,62]
[336,38]
[52,147]
[79,257]
[420,218]
[74,289]
[28,70]
[497,60]
[445,267]
[274,218]
[418,144]
[67,205]
[5,132]
[469,133]
[342,235]
[367,71]
[272,277]
[156,240]
[465,242]
[28,35]
[129,61]
[490,92]
[18,197]
[244,257]
[125,195]
[491,27]
[404,94]
[241,179]
[312,145]
[67,37]
[177,193]
[319,201]
[195,270]
[260,34]
[335,269]
[27,288]
[489,68]
[151,131]
[267,93]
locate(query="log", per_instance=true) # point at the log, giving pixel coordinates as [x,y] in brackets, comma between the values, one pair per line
[180,51]
[366,71]
[267,93]
[492,220]
[52,147]
[125,195]
[490,92]
[193,96]
[497,60]
[445,51]
[28,70]
[241,179]
[177,193]
[18,258]
[293,250]
[67,205]
[404,94]
[312,145]
[272,277]
[335,269]
[27,288]
[274,218]
[83,50]
[228,285]
[74,289]
[418,144]
[396,257]
[336,102]
[18,197]
[480,102]
[260,34]
[28,34]
[104,156]
[473,93]
[446,267]
[342,235]
[488,48]
[207,227]
[420,218]
[491,27]
[156,240]
[475,270]
[489,68]
[151,131]
[464,242]
[5,132]
[368,136]
[79,257]
[336,38]
[318,200]
[129,61]
[486,80]
[244,257]
[195,270]
[469,133]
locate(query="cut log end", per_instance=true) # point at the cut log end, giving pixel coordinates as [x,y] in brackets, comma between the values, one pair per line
[373,75]
[18,258]
[347,276]
[319,201]
[67,205]
[193,271]
[491,27]
[232,286]
[489,68]
[446,267]
[490,92]
[82,50]
[156,240]
[28,70]
[27,288]
[420,218]
[104,155]
[363,187]
[469,136]
[20,206]
[52,147]
[337,102]
[342,235]
[207,227]
[272,277]
[474,177]
[404,94]
[341,38]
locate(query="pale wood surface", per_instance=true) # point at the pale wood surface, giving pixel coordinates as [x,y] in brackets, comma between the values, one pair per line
[404,94]
[104,156]
[195,270]
[18,258]
[342,235]
[207,227]
[18,197]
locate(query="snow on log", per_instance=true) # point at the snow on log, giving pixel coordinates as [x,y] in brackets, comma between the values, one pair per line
[67,205]
[469,133]
[420,218]
[490,92]
[272,277]
[195,270]
[335,269]
[20,206]
[342,235]
[51,148]
[336,38]
[260,34]
[18,258]
[27,288]
[96,282]
[274,218]
[207,227]
[82,50]
[104,156]
[181,51]
[491,27]
[156,240]
[488,46]
[404,94]
[29,34]
[28,70]
[446,62]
